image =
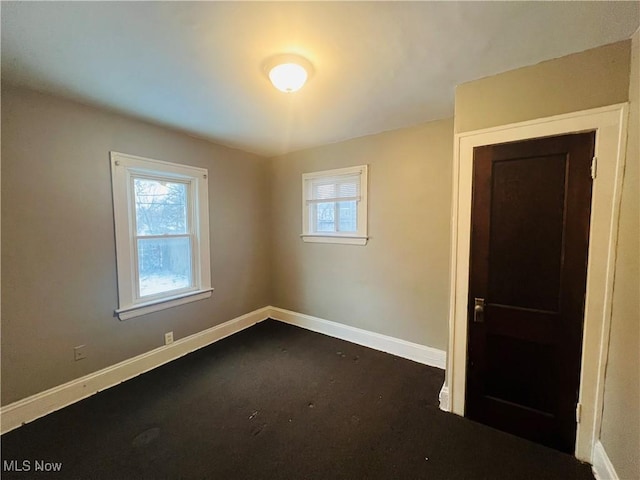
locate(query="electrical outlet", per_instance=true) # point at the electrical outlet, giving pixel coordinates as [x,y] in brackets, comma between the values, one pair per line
[168,338]
[79,352]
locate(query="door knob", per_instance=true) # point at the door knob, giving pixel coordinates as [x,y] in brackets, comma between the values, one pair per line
[478,310]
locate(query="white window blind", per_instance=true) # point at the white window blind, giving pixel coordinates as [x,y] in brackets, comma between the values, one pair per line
[336,189]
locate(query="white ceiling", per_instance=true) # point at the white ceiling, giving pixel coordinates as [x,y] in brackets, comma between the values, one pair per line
[196,66]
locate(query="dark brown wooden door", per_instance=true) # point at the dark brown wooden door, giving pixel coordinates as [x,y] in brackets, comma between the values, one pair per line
[529,242]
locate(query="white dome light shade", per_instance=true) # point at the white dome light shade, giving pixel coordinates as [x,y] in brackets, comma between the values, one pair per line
[288,77]
[288,72]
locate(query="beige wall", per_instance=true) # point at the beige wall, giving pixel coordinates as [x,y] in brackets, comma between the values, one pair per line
[621,416]
[589,79]
[58,253]
[398,284]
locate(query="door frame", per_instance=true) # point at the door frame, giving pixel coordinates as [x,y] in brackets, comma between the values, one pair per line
[610,125]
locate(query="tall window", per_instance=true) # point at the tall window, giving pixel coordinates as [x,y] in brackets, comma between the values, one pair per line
[162,234]
[335,206]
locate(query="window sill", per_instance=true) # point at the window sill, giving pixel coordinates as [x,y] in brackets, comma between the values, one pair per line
[162,304]
[342,239]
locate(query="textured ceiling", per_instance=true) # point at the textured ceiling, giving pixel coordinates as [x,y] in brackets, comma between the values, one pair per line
[197,66]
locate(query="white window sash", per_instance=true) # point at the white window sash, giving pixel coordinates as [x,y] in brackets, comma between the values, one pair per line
[190,221]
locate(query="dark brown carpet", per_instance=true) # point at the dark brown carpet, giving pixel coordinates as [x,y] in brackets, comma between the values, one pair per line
[278,402]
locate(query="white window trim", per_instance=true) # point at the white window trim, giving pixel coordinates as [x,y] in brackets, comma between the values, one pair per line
[358,238]
[123,166]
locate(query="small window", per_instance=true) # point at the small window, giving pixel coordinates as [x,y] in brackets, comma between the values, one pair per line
[162,234]
[335,206]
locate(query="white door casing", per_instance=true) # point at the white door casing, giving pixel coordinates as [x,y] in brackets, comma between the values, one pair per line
[609,123]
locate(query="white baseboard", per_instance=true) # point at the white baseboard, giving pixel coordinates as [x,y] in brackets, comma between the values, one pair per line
[401,348]
[28,409]
[43,403]
[602,466]
[444,398]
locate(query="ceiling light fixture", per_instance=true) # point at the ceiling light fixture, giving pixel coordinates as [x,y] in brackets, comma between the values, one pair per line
[288,72]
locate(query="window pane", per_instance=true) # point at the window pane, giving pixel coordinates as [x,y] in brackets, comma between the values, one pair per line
[348,216]
[164,264]
[325,217]
[161,207]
